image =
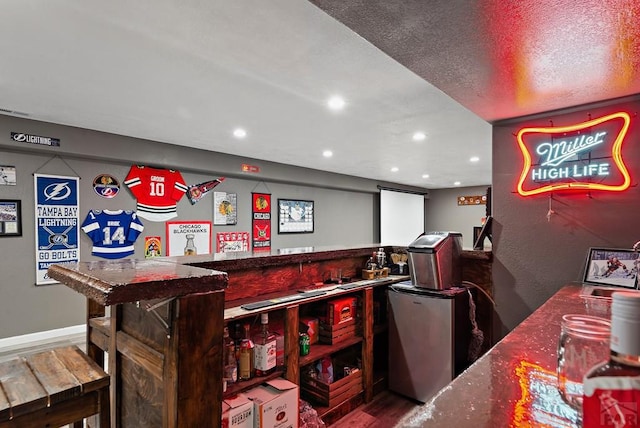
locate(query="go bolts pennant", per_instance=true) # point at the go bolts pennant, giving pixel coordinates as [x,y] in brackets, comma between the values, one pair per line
[586,156]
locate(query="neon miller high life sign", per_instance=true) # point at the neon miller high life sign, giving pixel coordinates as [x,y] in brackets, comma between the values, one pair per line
[586,156]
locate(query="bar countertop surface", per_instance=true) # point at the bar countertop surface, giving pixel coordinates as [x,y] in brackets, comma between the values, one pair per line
[111,282]
[514,384]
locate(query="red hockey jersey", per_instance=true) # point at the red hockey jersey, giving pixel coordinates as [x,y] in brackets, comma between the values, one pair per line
[156,190]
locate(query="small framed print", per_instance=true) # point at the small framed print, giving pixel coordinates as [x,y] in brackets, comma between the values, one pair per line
[10,218]
[188,238]
[612,266]
[7,175]
[295,216]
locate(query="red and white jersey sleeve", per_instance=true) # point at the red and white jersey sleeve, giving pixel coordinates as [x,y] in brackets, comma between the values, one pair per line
[157,191]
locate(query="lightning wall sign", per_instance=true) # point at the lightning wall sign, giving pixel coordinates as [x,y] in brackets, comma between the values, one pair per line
[56,222]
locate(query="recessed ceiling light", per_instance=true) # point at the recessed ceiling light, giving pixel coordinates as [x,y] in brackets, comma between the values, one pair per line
[419,136]
[327,153]
[336,103]
[474,159]
[457,183]
[239,133]
[425,175]
[395,169]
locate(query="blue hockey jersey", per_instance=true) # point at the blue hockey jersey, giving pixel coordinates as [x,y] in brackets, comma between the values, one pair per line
[112,232]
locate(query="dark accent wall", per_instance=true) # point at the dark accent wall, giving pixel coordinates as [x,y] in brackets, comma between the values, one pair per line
[534,256]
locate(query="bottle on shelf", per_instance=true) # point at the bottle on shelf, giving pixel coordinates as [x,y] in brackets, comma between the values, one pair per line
[381,258]
[612,388]
[371,263]
[230,363]
[247,356]
[265,348]
[237,337]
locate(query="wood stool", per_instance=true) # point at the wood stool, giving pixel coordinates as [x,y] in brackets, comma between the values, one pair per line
[53,388]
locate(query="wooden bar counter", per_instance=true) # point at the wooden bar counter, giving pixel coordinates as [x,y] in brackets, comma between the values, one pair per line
[514,384]
[164,331]
[163,336]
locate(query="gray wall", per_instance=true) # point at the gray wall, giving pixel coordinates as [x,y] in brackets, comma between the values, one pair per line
[345,207]
[444,213]
[535,257]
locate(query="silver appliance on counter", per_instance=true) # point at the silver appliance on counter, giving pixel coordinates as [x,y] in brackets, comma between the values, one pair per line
[429,336]
[434,260]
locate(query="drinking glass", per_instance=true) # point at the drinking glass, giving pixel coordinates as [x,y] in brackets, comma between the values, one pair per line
[584,342]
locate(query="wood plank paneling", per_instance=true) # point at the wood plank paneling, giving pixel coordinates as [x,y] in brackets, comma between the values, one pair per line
[86,372]
[5,408]
[52,374]
[255,282]
[149,359]
[71,410]
[170,381]
[292,344]
[147,326]
[114,366]
[367,343]
[141,397]
[96,344]
[199,364]
[23,390]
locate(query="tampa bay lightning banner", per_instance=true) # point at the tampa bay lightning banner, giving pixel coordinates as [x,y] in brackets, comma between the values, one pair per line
[57,223]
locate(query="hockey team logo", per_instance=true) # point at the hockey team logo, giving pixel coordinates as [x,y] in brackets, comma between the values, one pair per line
[57,191]
[585,156]
[106,185]
[34,139]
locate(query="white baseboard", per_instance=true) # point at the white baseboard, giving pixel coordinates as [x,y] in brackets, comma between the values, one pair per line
[56,335]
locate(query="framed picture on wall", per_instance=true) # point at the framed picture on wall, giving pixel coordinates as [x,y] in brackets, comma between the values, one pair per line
[295,216]
[188,238]
[10,217]
[7,175]
[612,266]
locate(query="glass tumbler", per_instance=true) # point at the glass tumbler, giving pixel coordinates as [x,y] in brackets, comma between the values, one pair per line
[584,342]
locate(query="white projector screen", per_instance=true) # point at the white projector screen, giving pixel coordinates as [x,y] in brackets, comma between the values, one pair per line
[401,217]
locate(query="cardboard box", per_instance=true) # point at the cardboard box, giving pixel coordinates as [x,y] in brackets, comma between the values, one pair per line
[341,310]
[237,412]
[313,325]
[275,404]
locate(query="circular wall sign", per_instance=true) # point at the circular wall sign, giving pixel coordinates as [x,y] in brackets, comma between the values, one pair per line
[106,185]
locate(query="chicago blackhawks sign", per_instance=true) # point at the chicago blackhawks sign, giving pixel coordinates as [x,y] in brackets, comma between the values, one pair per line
[585,156]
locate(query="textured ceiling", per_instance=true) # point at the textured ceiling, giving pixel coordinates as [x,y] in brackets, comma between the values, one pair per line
[503,59]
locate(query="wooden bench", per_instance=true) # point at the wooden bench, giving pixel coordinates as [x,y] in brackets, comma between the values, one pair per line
[53,388]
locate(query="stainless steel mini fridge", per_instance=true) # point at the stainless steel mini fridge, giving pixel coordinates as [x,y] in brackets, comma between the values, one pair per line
[429,335]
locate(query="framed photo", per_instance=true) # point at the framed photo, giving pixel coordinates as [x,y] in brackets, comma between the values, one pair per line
[612,266]
[295,216]
[225,208]
[10,217]
[7,175]
[188,238]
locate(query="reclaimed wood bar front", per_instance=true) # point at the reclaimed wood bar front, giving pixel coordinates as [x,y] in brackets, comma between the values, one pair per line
[164,338]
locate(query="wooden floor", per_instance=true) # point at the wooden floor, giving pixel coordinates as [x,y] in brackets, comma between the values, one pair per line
[384,411]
